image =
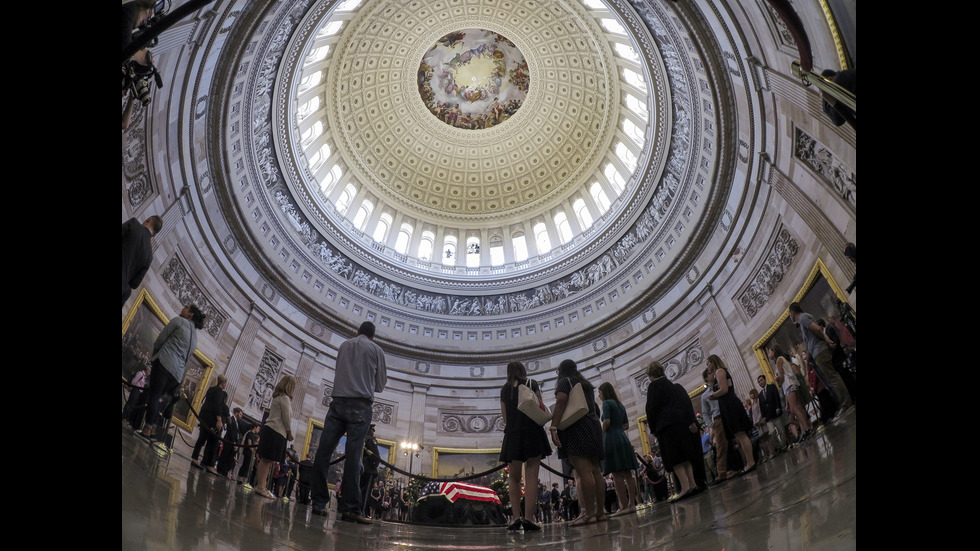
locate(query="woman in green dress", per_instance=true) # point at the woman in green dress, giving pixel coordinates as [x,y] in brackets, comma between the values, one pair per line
[620,456]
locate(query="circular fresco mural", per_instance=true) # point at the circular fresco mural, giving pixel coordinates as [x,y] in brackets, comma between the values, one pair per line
[473,79]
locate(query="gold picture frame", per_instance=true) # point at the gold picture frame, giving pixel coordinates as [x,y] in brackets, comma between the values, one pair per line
[454,462]
[641,423]
[815,298]
[143,323]
[312,442]
[644,427]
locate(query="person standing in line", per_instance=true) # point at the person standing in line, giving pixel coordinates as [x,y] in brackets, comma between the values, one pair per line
[213,412]
[818,345]
[660,486]
[790,381]
[708,450]
[304,476]
[711,412]
[772,409]
[733,416]
[172,349]
[620,455]
[361,373]
[375,499]
[838,358]
[544,503]
[573,504]
[581,443]
[293,472]
[698,470]
[399,503]
[233,437]
[394,503]
[275,434]
[370,459]
[137,385]
[670,423]
[249,444]
[555,497]
[759,422]
[137,253]
[524,445]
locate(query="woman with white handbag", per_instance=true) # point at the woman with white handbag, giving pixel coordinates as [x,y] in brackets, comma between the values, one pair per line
[525,442]
[577,433]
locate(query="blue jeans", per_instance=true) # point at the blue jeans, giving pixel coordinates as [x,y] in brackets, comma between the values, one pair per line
[351,416]
[162,384]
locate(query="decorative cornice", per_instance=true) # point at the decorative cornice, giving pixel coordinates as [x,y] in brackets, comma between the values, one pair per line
[470,422]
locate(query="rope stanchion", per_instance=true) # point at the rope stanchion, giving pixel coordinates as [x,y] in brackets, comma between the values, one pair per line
[382,461]
[550,470]
[430,479]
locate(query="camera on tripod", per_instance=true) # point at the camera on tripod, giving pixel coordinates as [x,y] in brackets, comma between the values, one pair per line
[137,79]
[137,75]
[160,11]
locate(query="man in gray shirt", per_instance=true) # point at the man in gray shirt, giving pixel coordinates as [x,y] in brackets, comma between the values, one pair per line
[818,345]
[361,372]
[172,349]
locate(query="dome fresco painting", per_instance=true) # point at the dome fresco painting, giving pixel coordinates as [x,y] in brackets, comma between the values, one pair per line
[473,79]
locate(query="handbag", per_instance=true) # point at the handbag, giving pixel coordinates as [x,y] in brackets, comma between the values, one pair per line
[575,409]
[529,404]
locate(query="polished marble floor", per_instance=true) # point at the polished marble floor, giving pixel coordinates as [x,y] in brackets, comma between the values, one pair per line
[804,499]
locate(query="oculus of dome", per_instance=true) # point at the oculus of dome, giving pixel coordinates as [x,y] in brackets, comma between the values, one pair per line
[473,79]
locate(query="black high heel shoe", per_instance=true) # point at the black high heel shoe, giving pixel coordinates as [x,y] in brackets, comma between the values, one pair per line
[530,526]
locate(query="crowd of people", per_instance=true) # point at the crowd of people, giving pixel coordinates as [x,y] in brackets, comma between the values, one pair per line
[735,431]
[603,474]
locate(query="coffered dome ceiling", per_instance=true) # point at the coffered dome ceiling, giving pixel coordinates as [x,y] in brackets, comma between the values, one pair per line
[591,189]
[472,178]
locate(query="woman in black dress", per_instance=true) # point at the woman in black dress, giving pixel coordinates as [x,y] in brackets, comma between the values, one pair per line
[733,417]
[671,422]
[581,443]
[524,444]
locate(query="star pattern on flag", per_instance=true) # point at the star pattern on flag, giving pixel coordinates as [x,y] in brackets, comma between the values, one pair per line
[431,488]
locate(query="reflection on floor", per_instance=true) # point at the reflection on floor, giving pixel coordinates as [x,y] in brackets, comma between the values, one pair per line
[803,499]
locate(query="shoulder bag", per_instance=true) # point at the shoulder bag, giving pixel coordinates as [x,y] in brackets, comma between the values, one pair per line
[529,404]
[576,407]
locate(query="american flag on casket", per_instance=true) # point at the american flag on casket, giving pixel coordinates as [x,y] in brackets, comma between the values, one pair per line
[459,490]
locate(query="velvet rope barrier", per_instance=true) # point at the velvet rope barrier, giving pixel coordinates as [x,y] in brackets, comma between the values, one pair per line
[382,461]
[430,479]
[795,26]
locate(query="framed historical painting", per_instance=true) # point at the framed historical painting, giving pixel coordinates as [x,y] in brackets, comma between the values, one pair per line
[384,450]
[819,297]
[457,463]
[314,429]
[644,428]
[143,323]
[313,433]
